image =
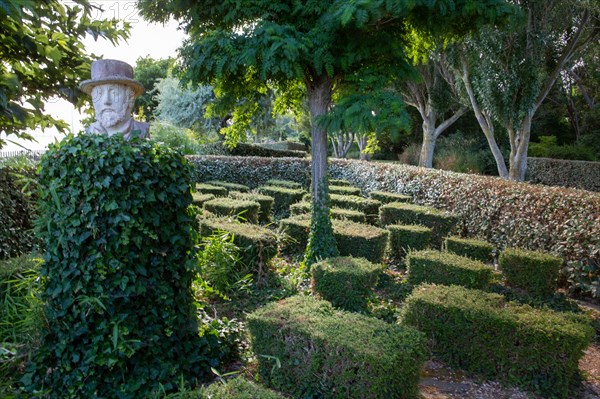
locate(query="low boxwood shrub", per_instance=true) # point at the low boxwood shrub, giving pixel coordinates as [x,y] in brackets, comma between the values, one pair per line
[386,197]
[217,191]
[283,198]
[470,247]
[301,208]
[293,233]
[406,238]
[344,190]
[369,207]
[119,262]
[237,388]
[346,282]
[339,182]
[229,186]
[446,268]
[482,333]
[244,210]
[534,272]
[266,203]
[350,356]
[441,223]
[258,244]
[199,199]
[284,183]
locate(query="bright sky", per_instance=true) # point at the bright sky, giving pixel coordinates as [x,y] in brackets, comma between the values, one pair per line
[145,39]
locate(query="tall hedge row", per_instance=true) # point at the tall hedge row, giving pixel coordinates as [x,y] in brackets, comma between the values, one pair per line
[561,221]
[118,267]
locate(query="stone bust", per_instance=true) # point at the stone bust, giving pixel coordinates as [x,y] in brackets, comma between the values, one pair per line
[113,91]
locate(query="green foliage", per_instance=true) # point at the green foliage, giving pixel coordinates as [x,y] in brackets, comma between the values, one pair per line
[258,245]
[351,356]
[284,183]
[406,238]
[229,186]
[471,248]
[534,272]
[266,203]
[344,190]
[345,282]
[386,197]
[557,172]
[339,182]
[460,153]
[18,210]
[283,197]
[321,241]
[446,268]
[219,261]
[21,318]
[119,245]
[205,188]
[368,206]
[237,388]
[148,72]
[548,148]
[482,333]
[243,210]
[199,199]
[441,223]
[294,233]
[175,137]
[249,150]
[43,57]
[301,208]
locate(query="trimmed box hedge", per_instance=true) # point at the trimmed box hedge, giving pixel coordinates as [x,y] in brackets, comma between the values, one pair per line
[230,186]
[284,183]
[283,198]
[534,272]
[402,213]
[584,175]
[350,356]
[471,248]
[339,182]
[353,239]
[346,282]
[302,208]
[369,207]
[405,238]
[241,209]
[386,197]
[217,191]
[482,333]
[257,244]
[266,203]
[237,388]
[344,190]
[199,199]
[446,268]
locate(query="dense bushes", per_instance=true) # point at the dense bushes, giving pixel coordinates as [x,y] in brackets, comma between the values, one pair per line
[301,208]
[229,186]
[349,356]
[471,248]
[369,207]
[446,268]
[248,150]
[217,191]
[266,203]
[534,272]
[118,266]
[346,282]
[559,172]
[405,238]
[283,198]
[242,209]
[385,197]
[16,215]
[344,190]
[481,333]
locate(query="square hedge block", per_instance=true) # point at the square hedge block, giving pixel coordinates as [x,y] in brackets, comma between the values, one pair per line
[243,210]
[531,271]
[386,197]
[266,203]
[471,248]
[283,197]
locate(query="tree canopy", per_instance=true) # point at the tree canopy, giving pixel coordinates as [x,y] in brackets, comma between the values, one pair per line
[148,71]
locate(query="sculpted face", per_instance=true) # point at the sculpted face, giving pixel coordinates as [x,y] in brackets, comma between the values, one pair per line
[113,103]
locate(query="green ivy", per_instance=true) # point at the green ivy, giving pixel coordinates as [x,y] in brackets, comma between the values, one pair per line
[321,242]
[119,243]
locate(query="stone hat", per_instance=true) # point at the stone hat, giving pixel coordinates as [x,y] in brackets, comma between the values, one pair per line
[111,71]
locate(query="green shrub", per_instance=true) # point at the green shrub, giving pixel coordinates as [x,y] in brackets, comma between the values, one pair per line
[301,208]
[118,268]
[229,186]
[220,263]
[346,282]
[293,233]
[18,211]
[471,248]
[446,268]
[560,172]
[283,197]
[406,238]
[350,355]
[401,213]
[369,207]
[548,147]
[386,197]
[242,209]
[258,245]
[360,240]
[217,191]
[199,199]
[284,183]
[344,190]
[534,272]
[175,137]
[339,182]
[237,388]
[482,333]
[266,203]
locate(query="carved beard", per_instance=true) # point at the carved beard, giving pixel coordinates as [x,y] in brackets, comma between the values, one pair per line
[111,118]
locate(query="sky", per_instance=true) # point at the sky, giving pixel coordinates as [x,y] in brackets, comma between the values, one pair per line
[145,39]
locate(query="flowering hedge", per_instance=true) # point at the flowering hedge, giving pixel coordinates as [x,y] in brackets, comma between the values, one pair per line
[561,221]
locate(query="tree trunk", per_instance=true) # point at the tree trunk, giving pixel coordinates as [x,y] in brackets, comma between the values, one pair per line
[428,146]
[362,140]
[519,144]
